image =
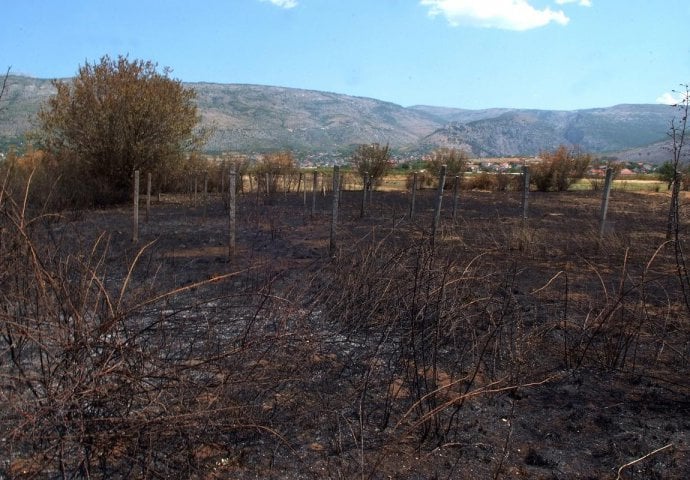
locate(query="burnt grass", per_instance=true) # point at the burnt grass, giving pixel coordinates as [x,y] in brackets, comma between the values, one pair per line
[510,348]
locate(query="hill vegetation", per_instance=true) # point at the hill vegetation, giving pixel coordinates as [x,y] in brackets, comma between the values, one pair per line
[254,118]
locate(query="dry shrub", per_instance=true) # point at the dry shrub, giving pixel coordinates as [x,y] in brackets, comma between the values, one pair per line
[455,162]
[522,237]
[274,168]
[372,160]
[493,182]
[424,180]
[506,182]
[559,169]
[104,376]
[442,324]
[482,181]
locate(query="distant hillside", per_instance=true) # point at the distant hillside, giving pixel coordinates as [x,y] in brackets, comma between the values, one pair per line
[251,117]
[255,118]
[460,115]
[527,132]
[20,104]
[654,154]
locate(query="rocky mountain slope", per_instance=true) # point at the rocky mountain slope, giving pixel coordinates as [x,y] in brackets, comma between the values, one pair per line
[502,132]
[260,118]
[251,117]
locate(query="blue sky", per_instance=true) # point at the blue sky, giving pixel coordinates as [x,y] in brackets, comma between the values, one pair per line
[555,54]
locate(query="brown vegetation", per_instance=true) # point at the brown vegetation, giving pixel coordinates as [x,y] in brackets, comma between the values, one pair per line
[559,169]
[113,118]
[372,161]
[511,349]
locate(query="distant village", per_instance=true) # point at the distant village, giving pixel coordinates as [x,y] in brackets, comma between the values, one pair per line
[495,165]
[412,162]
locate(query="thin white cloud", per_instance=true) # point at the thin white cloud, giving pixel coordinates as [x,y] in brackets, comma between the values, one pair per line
[582,3]
[283,3]
[671,98]
[503,14]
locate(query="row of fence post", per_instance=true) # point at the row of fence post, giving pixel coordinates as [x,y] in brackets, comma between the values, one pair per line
[366,190]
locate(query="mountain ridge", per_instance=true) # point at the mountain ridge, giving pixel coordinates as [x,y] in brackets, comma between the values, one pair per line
[258,118]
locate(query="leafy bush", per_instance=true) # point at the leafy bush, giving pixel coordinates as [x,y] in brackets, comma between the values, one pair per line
[115,117]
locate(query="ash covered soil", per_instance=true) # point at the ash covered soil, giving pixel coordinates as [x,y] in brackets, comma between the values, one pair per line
[511,349]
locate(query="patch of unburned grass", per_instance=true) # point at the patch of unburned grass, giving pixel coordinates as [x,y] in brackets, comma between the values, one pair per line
[620,184]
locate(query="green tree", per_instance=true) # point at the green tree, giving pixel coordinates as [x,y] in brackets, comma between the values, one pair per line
[666,173]
[559,169]
[117,116]
[373,160]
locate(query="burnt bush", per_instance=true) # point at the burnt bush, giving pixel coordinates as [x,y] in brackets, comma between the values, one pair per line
[103,375]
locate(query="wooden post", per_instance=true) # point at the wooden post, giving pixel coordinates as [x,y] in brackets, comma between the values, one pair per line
[232,192]
[148,196]
[525,191]
[222,179]
[414,194]
[456,193]
[363,209]
[334,217]
[605,201]
[439,200]
[303,180]
[258,188]
[205,193]
[314,189]
[135,210]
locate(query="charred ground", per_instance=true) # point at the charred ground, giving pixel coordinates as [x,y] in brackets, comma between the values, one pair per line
[510,349]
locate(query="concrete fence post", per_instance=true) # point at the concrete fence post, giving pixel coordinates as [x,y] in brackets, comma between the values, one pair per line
[205,198]
[334,217]
[439,201]
[363,208]
[135,209]
[456,194]
[414,194]
[232,213]
[525,191]
[314,189]
[148,196]
[605,202]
